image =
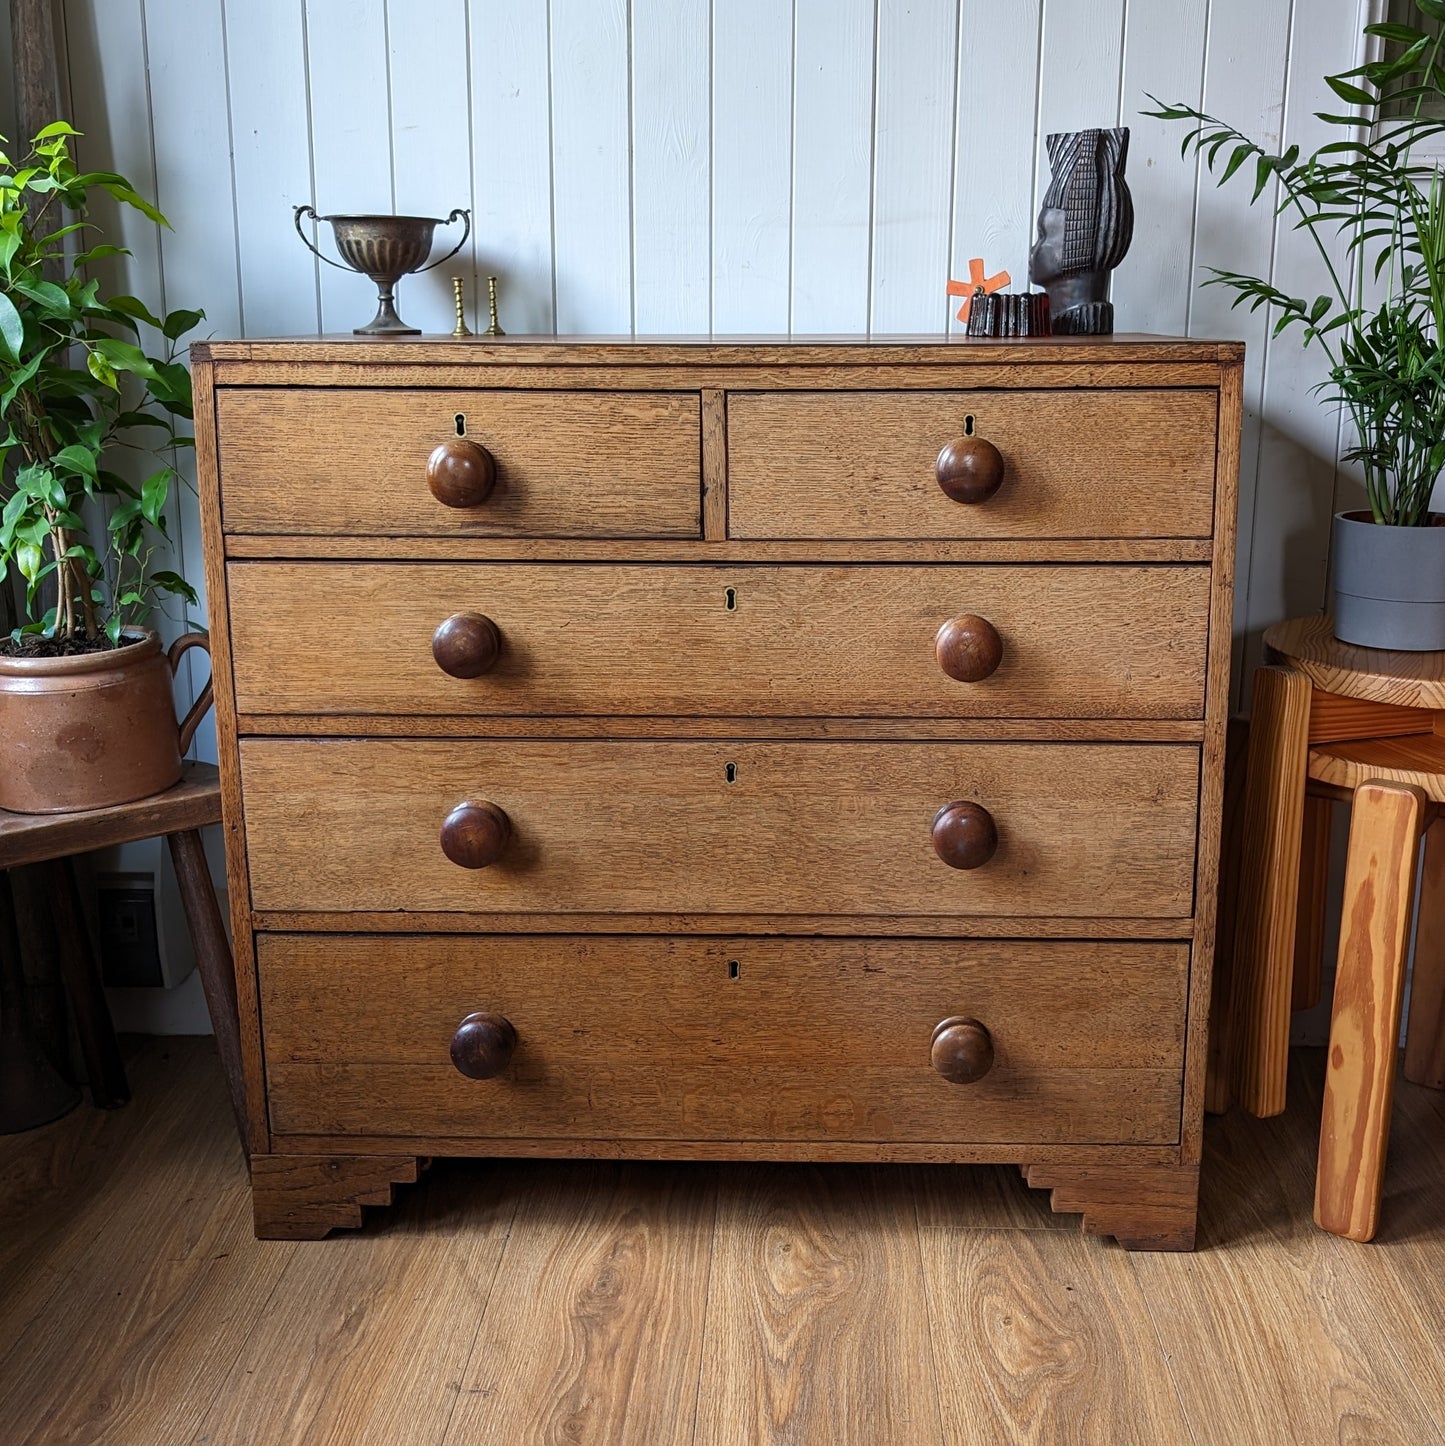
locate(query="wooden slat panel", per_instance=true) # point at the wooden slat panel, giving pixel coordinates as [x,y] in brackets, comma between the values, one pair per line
[854,641]
[1102,830]
[1084,464]
[647,1037]
[568,464]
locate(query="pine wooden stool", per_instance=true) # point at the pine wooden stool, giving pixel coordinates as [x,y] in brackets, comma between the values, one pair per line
[178,814]
[1337,723]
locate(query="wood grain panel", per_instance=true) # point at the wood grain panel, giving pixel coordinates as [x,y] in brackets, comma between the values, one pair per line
[724,1038]
[1079,642]
[581,464]
[606,1284]
[1088,830]
[1076,464]
[817,1329]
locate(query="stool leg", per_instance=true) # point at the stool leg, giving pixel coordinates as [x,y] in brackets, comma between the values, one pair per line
[1314,882]
[1218,1077]
[109,1088]
[1425,1032]
[213,958]
[1369,989]
[1274,794]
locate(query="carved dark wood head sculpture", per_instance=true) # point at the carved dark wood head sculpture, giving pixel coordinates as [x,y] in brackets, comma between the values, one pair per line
[1085,226]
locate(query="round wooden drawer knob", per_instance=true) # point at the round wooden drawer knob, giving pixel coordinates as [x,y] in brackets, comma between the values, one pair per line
[968,648]
[474,834]
[964,835]
[466,645]
[970,469]
[483,1044]
[460,473]
[962,1050]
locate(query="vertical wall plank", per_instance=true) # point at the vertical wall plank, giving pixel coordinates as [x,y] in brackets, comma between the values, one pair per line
[832,164]
[591,167]
[512,162]
[995,144]
[431,145]
[1080,56]
[752,164]
[186,46]
[350,136]
[912,182]
[1166,61]
[671,164]
[1294,492]
[1244,76]
[271,158]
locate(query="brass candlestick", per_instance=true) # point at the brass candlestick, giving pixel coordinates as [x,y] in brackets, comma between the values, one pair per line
[494,327]
[461,328]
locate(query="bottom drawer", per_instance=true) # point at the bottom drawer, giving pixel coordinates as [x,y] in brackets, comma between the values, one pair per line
[724,1039]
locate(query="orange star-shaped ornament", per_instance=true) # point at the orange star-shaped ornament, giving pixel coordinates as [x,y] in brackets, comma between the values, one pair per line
[976,285]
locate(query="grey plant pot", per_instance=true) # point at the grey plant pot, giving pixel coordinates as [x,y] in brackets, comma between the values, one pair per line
[1389,583]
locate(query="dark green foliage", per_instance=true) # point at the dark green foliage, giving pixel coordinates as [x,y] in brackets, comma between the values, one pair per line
[1386,365]
[75,385]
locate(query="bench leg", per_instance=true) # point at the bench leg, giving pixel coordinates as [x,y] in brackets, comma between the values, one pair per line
[1369,989]
[1425,1033]
[213,958]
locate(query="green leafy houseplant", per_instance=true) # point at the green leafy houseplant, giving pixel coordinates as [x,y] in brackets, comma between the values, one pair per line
[1376,214]
[76,387]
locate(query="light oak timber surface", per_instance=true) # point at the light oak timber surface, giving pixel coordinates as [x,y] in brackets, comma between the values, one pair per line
[987,730]
[772,1039]
[620,1361]
[1407,680]
[735,640]
[883,349]
[942,926]
[716,549]
[839,464]
[1417,761]
[817,1322]
[627,826]
[584,464]
[982,1311]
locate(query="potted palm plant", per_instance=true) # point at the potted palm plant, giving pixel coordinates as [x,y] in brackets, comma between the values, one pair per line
[86,716]
[1382,321]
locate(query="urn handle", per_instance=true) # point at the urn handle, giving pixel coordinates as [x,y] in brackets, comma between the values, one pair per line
[968,648]
[466,645]
[964,834]
[969,469]
[961,1049]
[483,1045]
[460,473]
[474,835]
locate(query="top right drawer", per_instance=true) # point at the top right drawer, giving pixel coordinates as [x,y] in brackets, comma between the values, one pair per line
[1076,464]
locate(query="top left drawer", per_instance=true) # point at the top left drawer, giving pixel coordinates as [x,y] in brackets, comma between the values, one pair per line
[353,461]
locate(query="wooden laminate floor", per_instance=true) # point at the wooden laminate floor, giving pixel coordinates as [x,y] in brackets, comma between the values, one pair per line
[601,1303]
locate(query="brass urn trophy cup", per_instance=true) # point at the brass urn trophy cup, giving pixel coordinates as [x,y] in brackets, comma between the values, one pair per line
[385,248]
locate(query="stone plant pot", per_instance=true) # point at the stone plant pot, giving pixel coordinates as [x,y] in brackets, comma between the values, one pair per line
[1389,583]
[93,730]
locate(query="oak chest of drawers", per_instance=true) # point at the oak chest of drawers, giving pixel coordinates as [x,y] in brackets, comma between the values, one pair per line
[720,750]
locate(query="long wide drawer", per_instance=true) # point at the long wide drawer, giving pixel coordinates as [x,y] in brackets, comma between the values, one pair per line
[1118,463]
[1083,830]
[709,1038]
[353,461]
[851,641]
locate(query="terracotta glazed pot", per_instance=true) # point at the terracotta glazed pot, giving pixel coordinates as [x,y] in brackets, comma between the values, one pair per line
[93,730]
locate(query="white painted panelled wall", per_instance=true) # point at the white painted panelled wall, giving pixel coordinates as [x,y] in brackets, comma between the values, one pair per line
[685,166]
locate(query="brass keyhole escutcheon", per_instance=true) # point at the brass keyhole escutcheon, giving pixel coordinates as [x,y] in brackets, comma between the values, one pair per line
[730,599]
[734,968]
[968,425]
[730,772]
[461,423]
